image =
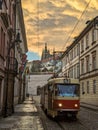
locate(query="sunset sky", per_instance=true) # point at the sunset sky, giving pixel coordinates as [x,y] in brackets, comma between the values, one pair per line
[52,22]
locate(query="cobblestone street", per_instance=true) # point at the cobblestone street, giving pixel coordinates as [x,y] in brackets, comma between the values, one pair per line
[25,118]
[30,116]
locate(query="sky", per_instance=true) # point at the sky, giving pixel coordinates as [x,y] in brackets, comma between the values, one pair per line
[53,21]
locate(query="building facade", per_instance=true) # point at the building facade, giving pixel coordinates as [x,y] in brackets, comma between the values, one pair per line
[3,39]
[9,39]
[70,61]
[80,60]
[88,40]
[7,26]
[20,54]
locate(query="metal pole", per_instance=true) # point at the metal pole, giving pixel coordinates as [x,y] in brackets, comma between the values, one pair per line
[7,83]
[14,56]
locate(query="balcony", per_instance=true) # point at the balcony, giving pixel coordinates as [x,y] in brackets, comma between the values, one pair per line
[12,65]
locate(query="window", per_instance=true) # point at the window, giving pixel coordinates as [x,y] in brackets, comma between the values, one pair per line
[74,71]
[78,50]
[3,49]
[93,36]
[0,4]
[78,70]
[67,58]
[87,41]
[75,51]
[93,60]
[87,86]
[71,54]
[2,42]
[82,87]
[82,45]
[66,90]
[82,66]
[71,72]
[87,64]
[94,86]
[0,91]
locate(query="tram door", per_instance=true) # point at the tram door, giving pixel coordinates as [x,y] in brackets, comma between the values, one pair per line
[50,94]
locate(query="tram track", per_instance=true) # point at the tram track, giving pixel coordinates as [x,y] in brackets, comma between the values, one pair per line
[82,123]
[72,125]
[60,124]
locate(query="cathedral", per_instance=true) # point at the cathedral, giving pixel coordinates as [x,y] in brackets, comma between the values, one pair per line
[45,53]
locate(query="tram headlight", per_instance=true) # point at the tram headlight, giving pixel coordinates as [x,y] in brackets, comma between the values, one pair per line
[60,104]
[76,105]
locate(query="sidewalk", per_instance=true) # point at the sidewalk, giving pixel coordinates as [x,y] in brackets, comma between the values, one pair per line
[89,106]
[26,117]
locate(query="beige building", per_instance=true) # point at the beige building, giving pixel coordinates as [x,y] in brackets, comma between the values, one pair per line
[88,40]
[12,55]
[20,51]
[80,60]
[70,61]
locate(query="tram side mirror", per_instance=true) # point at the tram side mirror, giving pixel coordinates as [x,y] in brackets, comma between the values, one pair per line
[83,93]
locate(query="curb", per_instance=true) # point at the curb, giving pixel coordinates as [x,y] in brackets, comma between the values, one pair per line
[94,108]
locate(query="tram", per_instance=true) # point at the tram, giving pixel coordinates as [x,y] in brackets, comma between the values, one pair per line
[61,97]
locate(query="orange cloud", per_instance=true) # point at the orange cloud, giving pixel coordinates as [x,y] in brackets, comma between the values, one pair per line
[52,21]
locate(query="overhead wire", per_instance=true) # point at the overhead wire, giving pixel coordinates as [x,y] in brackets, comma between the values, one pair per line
[69,37]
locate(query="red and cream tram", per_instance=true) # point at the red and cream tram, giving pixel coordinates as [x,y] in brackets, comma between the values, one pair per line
[61,96]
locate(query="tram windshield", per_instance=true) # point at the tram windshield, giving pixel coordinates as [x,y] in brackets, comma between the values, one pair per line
[67,90]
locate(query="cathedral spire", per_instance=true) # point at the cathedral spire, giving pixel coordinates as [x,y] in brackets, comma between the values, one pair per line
[46,47]
[46,53]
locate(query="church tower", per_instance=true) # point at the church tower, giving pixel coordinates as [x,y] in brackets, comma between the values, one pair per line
[45,53]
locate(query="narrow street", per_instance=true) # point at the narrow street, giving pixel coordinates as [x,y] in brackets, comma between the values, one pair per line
[30,116]
[26,117]
[48,65]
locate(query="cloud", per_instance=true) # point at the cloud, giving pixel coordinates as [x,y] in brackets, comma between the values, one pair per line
[52,21]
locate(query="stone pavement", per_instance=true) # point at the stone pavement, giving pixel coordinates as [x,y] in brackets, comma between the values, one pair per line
[89,106]
[26,117]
